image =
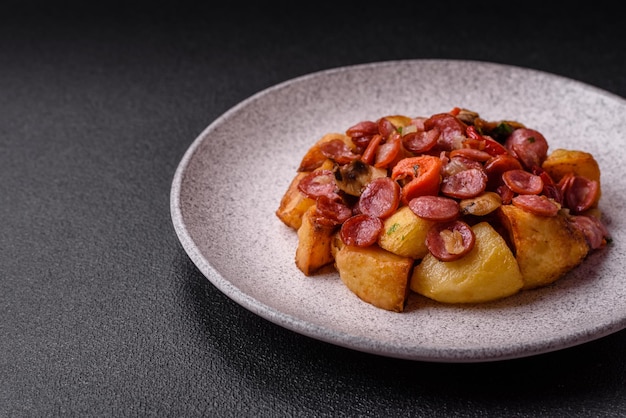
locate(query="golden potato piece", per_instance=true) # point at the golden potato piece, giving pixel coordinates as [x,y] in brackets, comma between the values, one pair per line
[293,204]
[488,272]
[405,234]
[545,247]
[314,244]
[376,276]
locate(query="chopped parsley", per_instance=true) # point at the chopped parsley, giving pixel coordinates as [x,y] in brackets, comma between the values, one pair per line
[393,228]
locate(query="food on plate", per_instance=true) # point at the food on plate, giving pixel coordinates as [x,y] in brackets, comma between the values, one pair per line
[488,272]
[449,206]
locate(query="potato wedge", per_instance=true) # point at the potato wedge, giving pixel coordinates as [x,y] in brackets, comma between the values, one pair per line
[294,204]
[545,247]
[314,244]
[488,272]
[375,275]
[405,234]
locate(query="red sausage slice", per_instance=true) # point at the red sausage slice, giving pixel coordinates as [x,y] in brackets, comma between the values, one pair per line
[471,153]
[537,204]
[362,133]
[550,188]
[361,230]
[385,127]
[420,141]
[380,198]
[522,182]
[450,241]
[388,152]
[451,130]
[594,231]
[329,212]
[319,183]
[364,128]
[581,194]
[496,166]
[435,208]
[465,184]
[529,145]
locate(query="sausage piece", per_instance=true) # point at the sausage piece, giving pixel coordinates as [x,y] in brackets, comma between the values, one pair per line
[537,204]
[435,208]
[523,182]
[361,230]
[380,198]
[450,241]
[451,130]
[319,183]
[529,145]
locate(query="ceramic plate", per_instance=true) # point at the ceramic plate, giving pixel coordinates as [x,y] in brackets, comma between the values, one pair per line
[230,181]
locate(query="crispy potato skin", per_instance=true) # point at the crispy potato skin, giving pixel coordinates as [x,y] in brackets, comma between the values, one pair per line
[294,204]
[375,275]
[488,272]
[314,249]
[545,247]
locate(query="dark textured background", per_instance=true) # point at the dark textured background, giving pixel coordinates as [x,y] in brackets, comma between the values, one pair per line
[101,311]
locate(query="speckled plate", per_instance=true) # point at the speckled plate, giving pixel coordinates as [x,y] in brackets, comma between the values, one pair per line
[229,184]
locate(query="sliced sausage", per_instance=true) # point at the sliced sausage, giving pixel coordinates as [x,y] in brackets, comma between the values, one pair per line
[361,230]
[388,152]
[465,184]
[319,183]
[338,151]
[451,130]
[497,165]
[522,182]
[529,145]
[421,141]
[362,133]
[537,204]
[450,241]
[380,198]
[329,212]
[581,194]
[435,208]
[471,153]
[594,231]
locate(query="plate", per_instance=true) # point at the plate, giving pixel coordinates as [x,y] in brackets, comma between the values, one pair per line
[228,186]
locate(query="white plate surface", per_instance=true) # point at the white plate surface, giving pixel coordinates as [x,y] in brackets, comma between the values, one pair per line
[229,183]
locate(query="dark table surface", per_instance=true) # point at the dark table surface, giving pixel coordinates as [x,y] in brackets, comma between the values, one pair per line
[101,311]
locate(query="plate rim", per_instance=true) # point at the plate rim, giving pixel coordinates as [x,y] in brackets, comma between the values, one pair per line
[360,343]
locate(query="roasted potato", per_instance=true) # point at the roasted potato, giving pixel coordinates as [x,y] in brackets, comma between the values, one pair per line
[294,204]
[375,275]
[488,272]
[545,247]
[405,234]
[314,244]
